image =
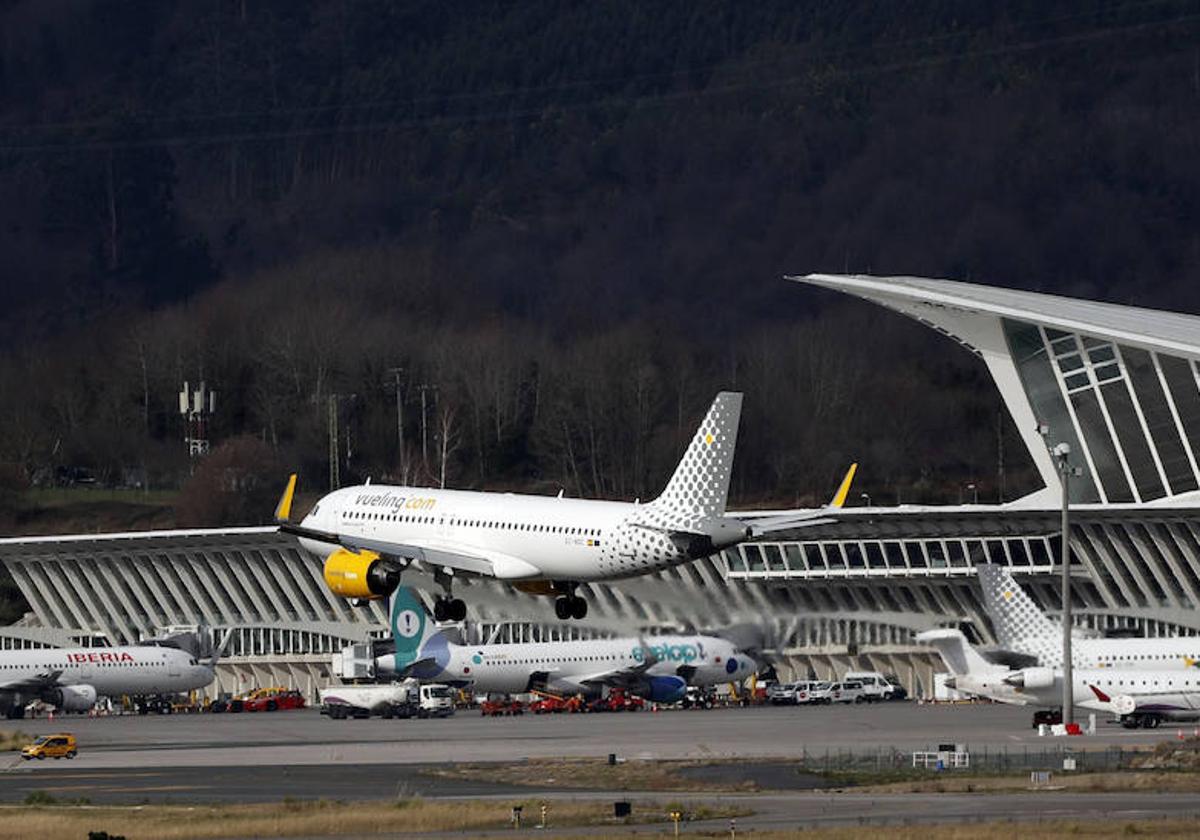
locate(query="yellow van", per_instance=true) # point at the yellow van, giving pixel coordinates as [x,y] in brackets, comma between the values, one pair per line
[52,746]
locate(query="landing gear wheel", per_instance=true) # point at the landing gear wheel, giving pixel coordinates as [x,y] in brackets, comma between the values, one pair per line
[562,608]
[578,607]
[449,609]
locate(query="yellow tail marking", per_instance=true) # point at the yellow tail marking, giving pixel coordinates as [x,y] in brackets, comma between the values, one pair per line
[839,498]
[283,511]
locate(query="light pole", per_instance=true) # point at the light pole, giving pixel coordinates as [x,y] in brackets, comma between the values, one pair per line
[974,493]
[1062,456]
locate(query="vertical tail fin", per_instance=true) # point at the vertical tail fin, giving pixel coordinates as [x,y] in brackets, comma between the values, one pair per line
[412,627]
[958,654]
[1019,624]
[700,486]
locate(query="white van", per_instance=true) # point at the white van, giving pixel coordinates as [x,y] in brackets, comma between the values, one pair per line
[874,684]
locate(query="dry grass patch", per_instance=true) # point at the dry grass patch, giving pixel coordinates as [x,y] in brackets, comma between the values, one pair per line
[308,819]
[13,740]
[597,774]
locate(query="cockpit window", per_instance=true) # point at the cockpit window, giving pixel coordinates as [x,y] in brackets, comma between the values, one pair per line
[316,508]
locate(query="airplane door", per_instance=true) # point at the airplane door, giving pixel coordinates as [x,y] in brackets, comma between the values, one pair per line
[172,666]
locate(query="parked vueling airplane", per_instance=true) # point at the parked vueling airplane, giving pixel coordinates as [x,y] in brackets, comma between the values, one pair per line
[1138,696]
[71,679]
[369,534]
[1027,636]
[658,668]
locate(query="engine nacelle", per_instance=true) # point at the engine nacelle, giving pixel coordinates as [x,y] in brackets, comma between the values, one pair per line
[1031,678]
[663,689]
[360,574]
[72,698]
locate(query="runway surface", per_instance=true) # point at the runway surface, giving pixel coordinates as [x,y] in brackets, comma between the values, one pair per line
[307,738]
[302,755]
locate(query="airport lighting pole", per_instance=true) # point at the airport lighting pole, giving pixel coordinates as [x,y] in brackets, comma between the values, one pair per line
[1062,456]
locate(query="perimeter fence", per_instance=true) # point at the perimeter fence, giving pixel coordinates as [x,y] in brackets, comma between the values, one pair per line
[983,760]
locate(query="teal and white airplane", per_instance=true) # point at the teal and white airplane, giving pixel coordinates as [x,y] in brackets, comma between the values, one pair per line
[657,668]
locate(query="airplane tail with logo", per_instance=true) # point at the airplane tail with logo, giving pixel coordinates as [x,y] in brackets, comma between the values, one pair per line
[418,640]
[959,655]
[1019,624]
[699,489]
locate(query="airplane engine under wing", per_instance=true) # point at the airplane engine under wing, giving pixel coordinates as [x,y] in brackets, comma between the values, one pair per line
[360,574]
[662,689]
[72,698]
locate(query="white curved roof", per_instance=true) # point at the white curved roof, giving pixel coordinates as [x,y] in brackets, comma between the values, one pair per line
[1152,328]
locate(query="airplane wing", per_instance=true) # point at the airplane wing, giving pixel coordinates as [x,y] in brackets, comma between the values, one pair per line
[626,676]
[431,553]
[35,683]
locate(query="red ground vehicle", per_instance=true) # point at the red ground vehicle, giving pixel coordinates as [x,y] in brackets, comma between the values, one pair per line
[501,708]
[550,704]
[618,700]
[271,699]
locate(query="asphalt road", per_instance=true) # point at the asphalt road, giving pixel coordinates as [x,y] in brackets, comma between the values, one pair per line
[306,738]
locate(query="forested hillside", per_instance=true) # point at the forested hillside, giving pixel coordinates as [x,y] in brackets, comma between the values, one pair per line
[565,226]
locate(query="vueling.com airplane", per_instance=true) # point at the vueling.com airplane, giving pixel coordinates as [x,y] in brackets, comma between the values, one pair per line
[369,534]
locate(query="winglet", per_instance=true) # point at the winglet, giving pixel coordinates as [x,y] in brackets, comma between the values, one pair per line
[283,511]
[839,498]
[1100,695]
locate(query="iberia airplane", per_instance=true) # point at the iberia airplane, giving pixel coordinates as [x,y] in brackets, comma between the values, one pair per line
[368,534]
[71,679]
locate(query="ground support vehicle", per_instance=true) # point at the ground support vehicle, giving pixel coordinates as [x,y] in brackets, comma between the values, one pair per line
[848,691]
[552,704]
[59,745]
[698,697]
[876,687]
[782,694]
[505,707]
[392,700]
[818,693]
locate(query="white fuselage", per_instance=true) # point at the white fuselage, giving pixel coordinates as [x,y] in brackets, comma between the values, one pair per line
[112,672]
[570,667]
[1158,691]
[525,537]
[1174,654]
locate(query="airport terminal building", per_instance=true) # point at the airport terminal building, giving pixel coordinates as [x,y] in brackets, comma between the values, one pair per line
[1119,384]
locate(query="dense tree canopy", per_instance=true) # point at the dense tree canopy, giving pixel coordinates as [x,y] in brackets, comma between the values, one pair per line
[562,227]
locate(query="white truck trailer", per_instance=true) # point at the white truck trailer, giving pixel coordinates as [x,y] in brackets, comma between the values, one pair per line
[387,700]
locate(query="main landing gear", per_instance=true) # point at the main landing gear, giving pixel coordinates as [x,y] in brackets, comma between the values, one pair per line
[570,605]
[449,609]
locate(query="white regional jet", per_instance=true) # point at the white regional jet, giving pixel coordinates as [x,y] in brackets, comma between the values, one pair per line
[1139,697]
[369,534]
[657,668]
[71,679]
[1028,637]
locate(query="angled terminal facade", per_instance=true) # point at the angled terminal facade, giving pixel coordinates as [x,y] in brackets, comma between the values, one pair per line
[1119,384]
